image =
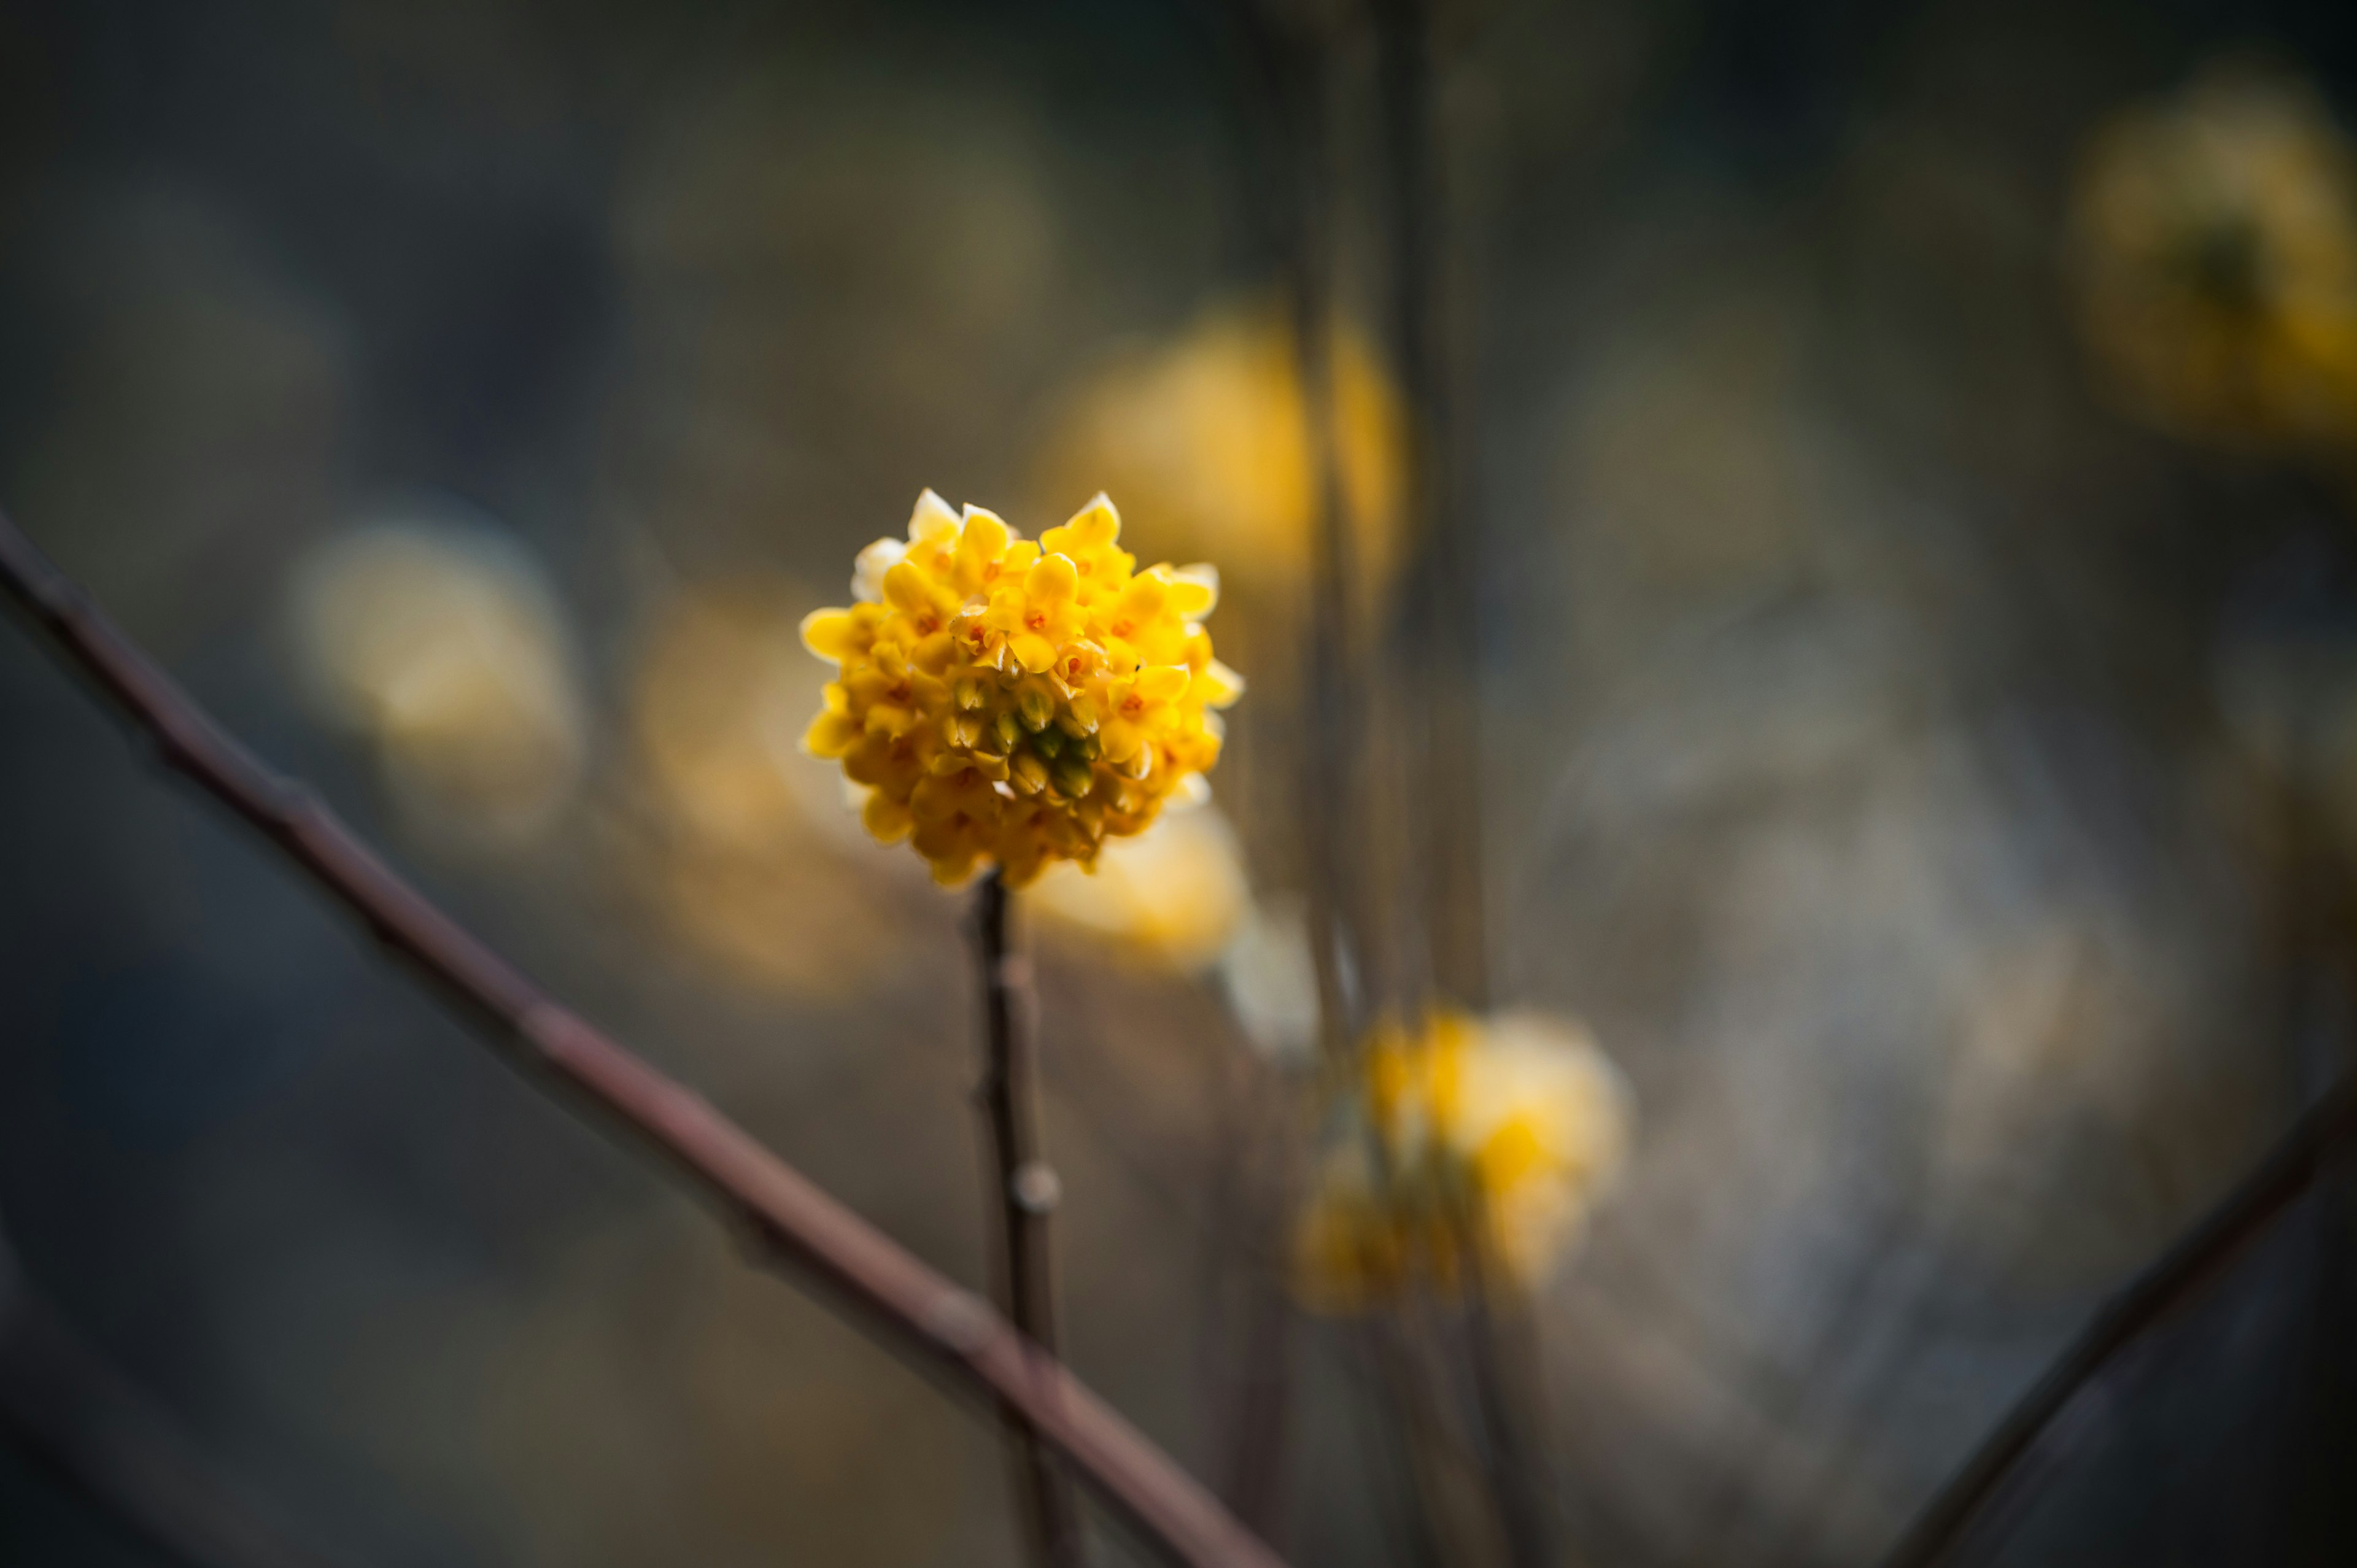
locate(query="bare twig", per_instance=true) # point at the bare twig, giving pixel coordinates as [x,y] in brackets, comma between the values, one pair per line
[910,1307]
[1501,1402]
[1440,627]
[1293,63]
[1439,669]
[1027,1190]
[63,1403]
[2000,1479]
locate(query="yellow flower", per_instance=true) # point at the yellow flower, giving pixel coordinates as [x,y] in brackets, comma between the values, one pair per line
[1209,439]
[2216,239]
[1495,1136]
[734,858]
[1174,895]
[1016,703]
[444,647]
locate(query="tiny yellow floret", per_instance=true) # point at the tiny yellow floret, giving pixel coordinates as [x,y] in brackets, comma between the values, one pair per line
[1016,703]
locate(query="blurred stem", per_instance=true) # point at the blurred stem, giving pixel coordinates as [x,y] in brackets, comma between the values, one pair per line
[1505,1390]
[1259,1417]
[1439,669]
[1412,1446]
[1333,795]
[2031,1444]
[1028,1190]
[1438,636]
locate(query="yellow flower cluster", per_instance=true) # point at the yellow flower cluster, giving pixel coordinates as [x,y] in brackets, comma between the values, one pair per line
[1016,703]
[2216,243]
[1484,1140]
[1211,429]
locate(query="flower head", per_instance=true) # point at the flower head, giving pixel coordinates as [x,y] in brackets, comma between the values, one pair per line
[2216,238]
[1011,703]
[1487,1139]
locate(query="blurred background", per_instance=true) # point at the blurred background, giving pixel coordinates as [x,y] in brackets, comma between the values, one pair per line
[1909,457]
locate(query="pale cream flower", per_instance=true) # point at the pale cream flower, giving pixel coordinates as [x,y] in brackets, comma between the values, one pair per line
[1174,895]
[1494,1138]
[442,646]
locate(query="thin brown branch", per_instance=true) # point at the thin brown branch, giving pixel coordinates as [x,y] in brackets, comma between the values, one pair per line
[1438,668]
[61,1403]
[1295,72]
[1439,656]
[1027,1190]
[2001,1477]
[912,1308]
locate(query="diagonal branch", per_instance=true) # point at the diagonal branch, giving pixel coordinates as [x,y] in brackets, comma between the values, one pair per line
[909,1307]
[2000,1479]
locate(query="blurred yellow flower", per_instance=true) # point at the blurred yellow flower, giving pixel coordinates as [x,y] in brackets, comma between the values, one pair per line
[1014,702]
[1174,894]
[736,864]
[1496,1134]
[721,694]
[2216,245]
[1208,438]
[442,645]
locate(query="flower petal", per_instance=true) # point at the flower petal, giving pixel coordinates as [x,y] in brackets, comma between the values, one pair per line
[905,589]
[890,820]
[932,520]
[986,534]
[1162,683]
[1217,685]
[830,634]
[867,578]
[1194,590]
[1145,597]
[1092,528]
[1031,650]
[1052,582]
[831,735]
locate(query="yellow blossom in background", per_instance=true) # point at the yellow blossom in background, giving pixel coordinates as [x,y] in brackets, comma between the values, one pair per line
[1174,895]
[2216,246]
[1503,1133]
[738,862]
[1208,438]
[442,645]
[1010,702]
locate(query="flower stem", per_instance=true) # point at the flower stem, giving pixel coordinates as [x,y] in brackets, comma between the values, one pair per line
[1028,1190]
